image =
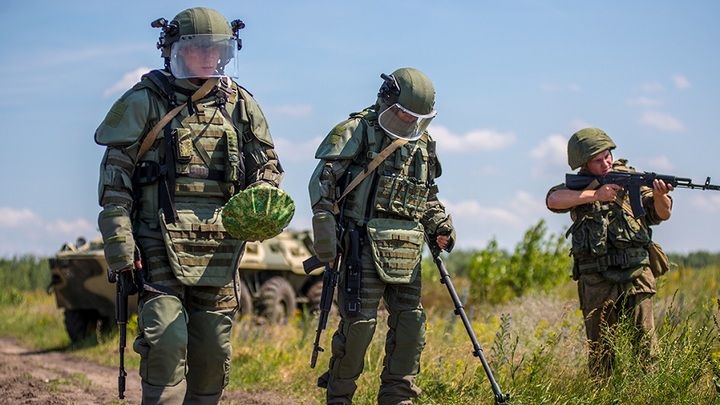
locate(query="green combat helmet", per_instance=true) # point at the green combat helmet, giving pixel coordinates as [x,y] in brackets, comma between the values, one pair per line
[586,143]
[406,102]
[258,213]
[204,29]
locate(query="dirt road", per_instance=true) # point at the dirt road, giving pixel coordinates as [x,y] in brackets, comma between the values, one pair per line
[54,378]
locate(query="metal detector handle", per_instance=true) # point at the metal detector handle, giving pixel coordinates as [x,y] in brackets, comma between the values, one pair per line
[500,397]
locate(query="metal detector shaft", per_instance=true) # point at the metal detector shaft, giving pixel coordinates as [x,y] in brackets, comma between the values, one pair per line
[500,398]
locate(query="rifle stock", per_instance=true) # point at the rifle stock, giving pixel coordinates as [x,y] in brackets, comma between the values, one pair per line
[500,397]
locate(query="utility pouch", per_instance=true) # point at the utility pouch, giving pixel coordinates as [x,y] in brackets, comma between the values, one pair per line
[589,236]
[183,149]
[401,196]
[232,152]
[396,247]
[201,252]
[659,262]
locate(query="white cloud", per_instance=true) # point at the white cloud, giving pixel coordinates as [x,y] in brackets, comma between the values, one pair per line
[652,87]
[523,208]
[662,121]
[11,218]
[296,151]
[644,101]
[704,203]
[128,80]
[681,82]
[476,223]
[295,111]
[70,229]
[23,231]
[473,141]
[550,156]
[659,164]
[471,212]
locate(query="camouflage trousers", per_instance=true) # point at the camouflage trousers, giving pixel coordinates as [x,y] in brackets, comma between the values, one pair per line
[404,341]
[184,338]
[604,304]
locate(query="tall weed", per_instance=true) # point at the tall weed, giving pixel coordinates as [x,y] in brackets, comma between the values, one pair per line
[539,262]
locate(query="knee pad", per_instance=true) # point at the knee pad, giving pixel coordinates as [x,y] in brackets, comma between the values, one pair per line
[162,343]
[349,345]
[406,340]
[209,352]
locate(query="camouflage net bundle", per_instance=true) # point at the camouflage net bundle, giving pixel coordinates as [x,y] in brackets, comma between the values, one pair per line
[258,213]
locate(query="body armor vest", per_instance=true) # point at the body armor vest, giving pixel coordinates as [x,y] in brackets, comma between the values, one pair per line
[400,186]
[184,180]
[197,158]
[605,235]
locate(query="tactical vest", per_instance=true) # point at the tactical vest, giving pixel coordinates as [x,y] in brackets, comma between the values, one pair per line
[606,236]
[400,186]
[182,182]
[197,156]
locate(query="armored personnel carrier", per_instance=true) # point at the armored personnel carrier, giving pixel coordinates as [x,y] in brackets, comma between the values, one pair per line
[273,285]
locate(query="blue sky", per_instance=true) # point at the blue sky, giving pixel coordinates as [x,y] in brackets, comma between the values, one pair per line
[514,79]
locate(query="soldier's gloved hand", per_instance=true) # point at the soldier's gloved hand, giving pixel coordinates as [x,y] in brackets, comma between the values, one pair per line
[324,236]
[445,237]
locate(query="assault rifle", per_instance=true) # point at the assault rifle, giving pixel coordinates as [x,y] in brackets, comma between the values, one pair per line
[330,277]
[124,287]
[632,181]
[500,397]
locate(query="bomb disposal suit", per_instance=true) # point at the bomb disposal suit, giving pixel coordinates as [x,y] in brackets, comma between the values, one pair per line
[611,262]
[384,219]
[162,202]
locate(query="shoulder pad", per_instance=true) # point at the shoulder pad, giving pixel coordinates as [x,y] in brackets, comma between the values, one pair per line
[126,121]
[432,153]
[343,141]
[158,81]
[621,165]
[258,123]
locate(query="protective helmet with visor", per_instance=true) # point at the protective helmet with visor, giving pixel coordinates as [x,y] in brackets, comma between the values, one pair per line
[406,99]
[200,43]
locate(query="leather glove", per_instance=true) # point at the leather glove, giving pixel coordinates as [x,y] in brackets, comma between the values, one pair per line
[324,236]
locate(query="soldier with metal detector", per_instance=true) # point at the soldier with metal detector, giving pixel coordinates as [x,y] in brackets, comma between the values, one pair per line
[389,206]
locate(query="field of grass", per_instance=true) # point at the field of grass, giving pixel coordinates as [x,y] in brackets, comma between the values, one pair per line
[534,344]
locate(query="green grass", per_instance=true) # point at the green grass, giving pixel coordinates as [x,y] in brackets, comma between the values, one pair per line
[523,309]
[534,344]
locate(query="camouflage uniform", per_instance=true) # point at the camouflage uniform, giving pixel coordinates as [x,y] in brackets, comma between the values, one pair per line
[604,234]
[166,205]
[389,212]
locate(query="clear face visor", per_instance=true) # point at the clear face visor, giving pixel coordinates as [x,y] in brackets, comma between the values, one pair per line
[399,122]
[204,56]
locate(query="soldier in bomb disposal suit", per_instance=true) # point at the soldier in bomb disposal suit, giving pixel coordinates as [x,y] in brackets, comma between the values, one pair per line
[388,209]
[179,144]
